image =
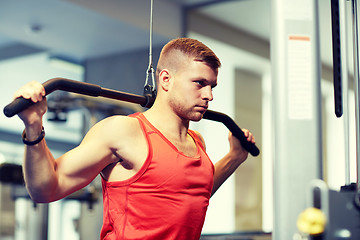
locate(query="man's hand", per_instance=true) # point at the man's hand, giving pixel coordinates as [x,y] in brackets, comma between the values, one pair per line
[236,149]
[36,92]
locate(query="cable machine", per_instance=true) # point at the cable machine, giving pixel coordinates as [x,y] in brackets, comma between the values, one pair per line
[304,207]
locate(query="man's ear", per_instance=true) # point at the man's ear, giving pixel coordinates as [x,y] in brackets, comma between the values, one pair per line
[164,79]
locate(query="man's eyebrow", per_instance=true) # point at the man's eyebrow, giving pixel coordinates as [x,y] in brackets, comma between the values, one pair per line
[210,83]
[207,82]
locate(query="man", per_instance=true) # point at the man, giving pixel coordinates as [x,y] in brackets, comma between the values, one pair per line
[156,176]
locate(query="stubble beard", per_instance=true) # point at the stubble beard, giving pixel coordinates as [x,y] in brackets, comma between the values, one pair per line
[185,113]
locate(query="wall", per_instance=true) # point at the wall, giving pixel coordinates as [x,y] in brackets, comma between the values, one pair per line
[248,191]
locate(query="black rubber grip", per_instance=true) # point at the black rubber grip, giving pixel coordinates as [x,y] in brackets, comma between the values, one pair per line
[50,86]
[16,106]
[236,131]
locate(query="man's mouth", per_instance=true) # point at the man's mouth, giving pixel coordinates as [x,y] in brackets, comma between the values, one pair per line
[203,107]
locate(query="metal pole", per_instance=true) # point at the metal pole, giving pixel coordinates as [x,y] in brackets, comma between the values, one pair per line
[357,86]
[345,84]
[296,102]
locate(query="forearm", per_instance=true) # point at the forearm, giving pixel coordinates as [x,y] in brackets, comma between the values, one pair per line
[39,168]
[224,168]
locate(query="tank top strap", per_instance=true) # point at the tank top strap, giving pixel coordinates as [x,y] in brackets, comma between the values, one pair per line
[143,122]
[196,138]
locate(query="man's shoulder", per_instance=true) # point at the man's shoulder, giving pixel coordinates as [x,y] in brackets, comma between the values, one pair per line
[119,119]
[119,122]
[118,126]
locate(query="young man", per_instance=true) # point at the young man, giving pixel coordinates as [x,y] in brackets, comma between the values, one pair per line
[156,176]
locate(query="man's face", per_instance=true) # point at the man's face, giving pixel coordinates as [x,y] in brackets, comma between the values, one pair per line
[191,89]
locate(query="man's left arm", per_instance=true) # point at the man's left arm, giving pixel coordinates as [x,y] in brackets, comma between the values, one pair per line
[231,161]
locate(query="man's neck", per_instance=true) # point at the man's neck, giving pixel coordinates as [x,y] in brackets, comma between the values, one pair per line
[167,122]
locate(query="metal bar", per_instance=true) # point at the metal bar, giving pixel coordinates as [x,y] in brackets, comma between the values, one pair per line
[122,96]
[69,85]
[231,125]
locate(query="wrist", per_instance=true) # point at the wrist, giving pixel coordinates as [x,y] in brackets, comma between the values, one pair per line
[32,140]
[33,130]
[32,122]
[238,156]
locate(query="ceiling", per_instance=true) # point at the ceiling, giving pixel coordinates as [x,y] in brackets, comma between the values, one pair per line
[83,29]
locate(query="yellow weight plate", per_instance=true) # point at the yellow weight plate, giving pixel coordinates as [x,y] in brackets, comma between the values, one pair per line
[311,221]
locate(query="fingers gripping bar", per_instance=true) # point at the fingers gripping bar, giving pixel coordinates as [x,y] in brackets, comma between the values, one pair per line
[94,90]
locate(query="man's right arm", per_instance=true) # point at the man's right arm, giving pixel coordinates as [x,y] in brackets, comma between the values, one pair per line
[48,179]
[38,166]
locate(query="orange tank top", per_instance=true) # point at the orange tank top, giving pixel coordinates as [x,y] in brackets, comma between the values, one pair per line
[166,199]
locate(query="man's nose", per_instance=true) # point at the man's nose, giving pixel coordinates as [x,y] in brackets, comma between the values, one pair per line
[207,93]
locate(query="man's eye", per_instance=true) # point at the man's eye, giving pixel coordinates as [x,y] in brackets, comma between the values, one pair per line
[201,83]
